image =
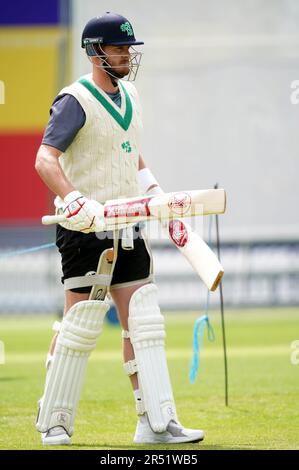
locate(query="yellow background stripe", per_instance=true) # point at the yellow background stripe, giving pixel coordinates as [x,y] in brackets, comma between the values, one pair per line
[33,68]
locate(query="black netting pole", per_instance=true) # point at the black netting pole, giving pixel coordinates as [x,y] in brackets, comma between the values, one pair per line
[222,312]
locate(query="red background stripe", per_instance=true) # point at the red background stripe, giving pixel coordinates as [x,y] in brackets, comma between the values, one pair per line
[23,195]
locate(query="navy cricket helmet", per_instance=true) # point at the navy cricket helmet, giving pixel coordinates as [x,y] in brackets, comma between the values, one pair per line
[109,29]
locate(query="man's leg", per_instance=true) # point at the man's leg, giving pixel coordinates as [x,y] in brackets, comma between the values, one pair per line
[145,363]
[121,297]
[81,325]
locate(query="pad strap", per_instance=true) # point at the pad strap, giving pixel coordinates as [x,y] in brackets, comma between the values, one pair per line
[87,281]
[130,367]
[56,326]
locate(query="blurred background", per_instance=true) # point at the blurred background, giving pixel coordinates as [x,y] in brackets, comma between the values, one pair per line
[215,83]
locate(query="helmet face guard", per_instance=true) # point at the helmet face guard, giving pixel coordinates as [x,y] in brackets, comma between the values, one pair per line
[111,29]
[94,48]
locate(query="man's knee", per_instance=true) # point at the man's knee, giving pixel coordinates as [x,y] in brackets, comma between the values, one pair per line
[72,298]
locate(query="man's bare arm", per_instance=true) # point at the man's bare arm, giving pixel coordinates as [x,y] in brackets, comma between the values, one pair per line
[141,163]
[48,167]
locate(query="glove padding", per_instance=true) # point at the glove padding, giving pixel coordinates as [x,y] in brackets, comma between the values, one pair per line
[83,215]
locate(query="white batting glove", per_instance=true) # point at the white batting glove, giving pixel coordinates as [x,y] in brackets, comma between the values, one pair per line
[83,215]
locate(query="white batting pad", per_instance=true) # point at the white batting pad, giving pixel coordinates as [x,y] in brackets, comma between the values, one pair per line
[79,331]
[147,333]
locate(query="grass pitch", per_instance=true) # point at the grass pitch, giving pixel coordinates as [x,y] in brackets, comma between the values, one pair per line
[263,410]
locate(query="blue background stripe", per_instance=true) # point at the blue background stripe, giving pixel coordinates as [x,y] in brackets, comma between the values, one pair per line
[32,12]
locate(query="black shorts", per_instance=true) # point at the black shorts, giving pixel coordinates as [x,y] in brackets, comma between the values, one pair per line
[80,254]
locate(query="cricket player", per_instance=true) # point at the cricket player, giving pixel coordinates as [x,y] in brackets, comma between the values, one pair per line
[90,153]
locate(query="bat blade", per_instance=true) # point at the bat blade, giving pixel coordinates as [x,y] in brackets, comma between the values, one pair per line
[200,256]
[203,260]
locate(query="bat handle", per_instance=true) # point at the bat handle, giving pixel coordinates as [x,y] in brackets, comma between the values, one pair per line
[53,219]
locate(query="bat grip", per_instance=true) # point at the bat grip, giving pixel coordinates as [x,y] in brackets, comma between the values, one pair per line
[53,219]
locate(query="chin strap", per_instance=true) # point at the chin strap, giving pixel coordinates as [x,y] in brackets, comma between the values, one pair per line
[114,81]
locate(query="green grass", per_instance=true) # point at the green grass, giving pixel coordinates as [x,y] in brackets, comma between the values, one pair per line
[263,410]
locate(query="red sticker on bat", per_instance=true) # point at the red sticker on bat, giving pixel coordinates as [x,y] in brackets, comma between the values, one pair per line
[129,209]
[179,203]
[178,233]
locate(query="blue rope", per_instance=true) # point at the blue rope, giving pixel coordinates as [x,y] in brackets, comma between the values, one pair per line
[198,333]
[198,329]
[27,250]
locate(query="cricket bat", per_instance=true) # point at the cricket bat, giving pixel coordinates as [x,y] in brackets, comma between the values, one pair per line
[163,206]
[199,255]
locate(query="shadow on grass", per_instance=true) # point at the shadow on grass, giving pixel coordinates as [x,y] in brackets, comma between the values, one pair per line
[12,379]
[186,446]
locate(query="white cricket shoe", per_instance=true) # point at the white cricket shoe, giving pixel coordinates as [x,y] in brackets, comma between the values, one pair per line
[56,436]
[175,433]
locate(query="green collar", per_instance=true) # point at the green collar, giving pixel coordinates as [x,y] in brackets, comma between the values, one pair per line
[125,121]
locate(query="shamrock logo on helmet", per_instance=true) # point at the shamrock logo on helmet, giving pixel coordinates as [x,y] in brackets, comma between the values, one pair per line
[126,27]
